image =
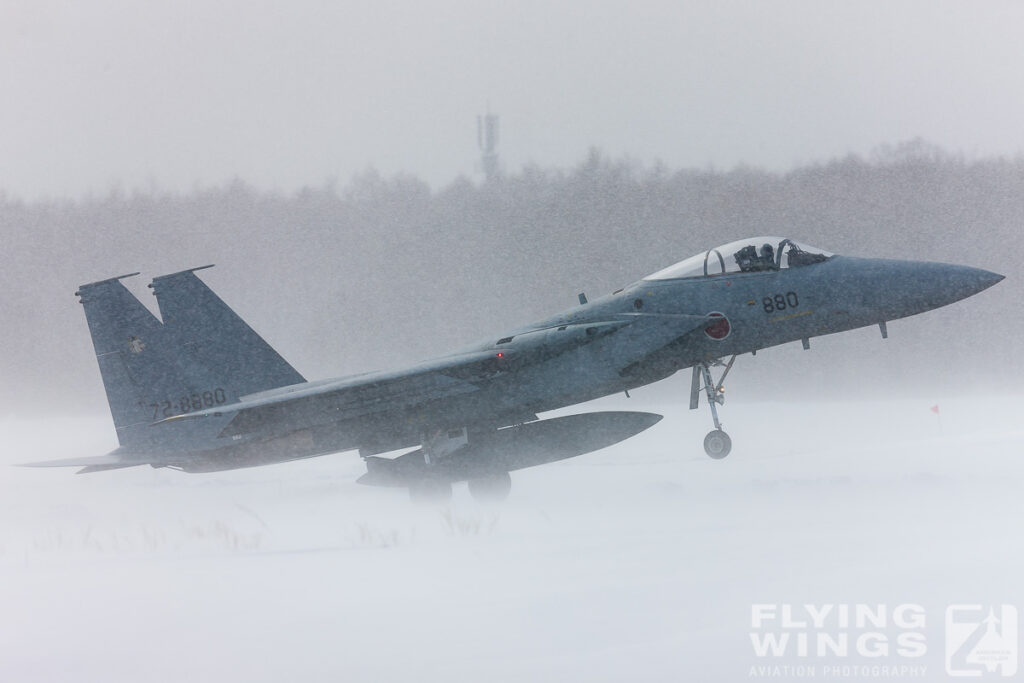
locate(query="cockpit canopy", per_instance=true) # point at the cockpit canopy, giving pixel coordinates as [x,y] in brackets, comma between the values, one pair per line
[751,255]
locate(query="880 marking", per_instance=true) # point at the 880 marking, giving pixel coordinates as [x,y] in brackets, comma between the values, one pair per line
[780,302]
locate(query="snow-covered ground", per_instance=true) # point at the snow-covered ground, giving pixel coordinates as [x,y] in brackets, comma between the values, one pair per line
[640,562]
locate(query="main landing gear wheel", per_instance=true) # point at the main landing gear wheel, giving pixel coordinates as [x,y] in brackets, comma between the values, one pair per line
[493,488]
[717,444]
[430,490]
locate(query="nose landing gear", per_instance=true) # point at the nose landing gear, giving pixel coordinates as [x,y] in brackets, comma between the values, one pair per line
[717,443]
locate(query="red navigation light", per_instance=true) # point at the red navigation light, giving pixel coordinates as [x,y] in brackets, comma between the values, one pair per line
[500,354]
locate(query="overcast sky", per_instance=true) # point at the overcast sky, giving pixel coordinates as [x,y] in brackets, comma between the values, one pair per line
[102,94]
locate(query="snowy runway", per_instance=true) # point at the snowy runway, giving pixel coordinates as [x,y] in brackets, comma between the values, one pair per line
[639,562]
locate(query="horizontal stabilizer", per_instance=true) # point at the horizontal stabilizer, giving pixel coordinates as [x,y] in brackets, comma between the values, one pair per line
[95,463]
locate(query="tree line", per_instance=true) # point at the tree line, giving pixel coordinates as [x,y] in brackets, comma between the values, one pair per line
[382,271]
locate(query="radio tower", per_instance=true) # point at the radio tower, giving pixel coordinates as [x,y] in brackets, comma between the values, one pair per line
[487,141]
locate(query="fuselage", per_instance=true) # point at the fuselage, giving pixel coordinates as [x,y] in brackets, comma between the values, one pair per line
[638,335]
[199,390]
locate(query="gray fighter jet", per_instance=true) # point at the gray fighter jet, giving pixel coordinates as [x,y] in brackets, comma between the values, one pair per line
[200,391]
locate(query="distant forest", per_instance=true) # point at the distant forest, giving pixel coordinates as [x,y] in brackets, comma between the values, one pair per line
[384,270]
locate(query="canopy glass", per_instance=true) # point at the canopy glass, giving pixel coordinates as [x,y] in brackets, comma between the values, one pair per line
[751,255]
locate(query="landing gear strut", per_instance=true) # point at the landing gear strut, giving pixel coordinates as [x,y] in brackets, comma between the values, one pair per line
[717,443]
[433,487]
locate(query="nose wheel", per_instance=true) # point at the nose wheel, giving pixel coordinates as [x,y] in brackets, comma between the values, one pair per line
[717,443]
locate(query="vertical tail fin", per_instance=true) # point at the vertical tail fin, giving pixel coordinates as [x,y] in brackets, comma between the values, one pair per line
[143,376]
[217,337]
[201,357]
[121,329]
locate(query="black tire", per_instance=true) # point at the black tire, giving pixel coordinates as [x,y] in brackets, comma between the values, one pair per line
[717,444]
[494,488]
[430,491]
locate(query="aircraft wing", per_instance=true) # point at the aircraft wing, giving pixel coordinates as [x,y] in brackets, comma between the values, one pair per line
[451,376]
[361,395]
[317,402]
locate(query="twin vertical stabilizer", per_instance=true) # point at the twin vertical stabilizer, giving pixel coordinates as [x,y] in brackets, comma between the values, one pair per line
[200,357]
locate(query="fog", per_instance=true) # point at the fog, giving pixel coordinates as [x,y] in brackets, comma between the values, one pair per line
[324,157]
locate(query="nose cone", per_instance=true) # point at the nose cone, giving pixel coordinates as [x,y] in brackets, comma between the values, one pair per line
[927,285]
[946,283]
[868,291]
[986,279]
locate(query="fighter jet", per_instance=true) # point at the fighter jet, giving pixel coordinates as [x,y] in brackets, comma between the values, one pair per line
[200,391]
